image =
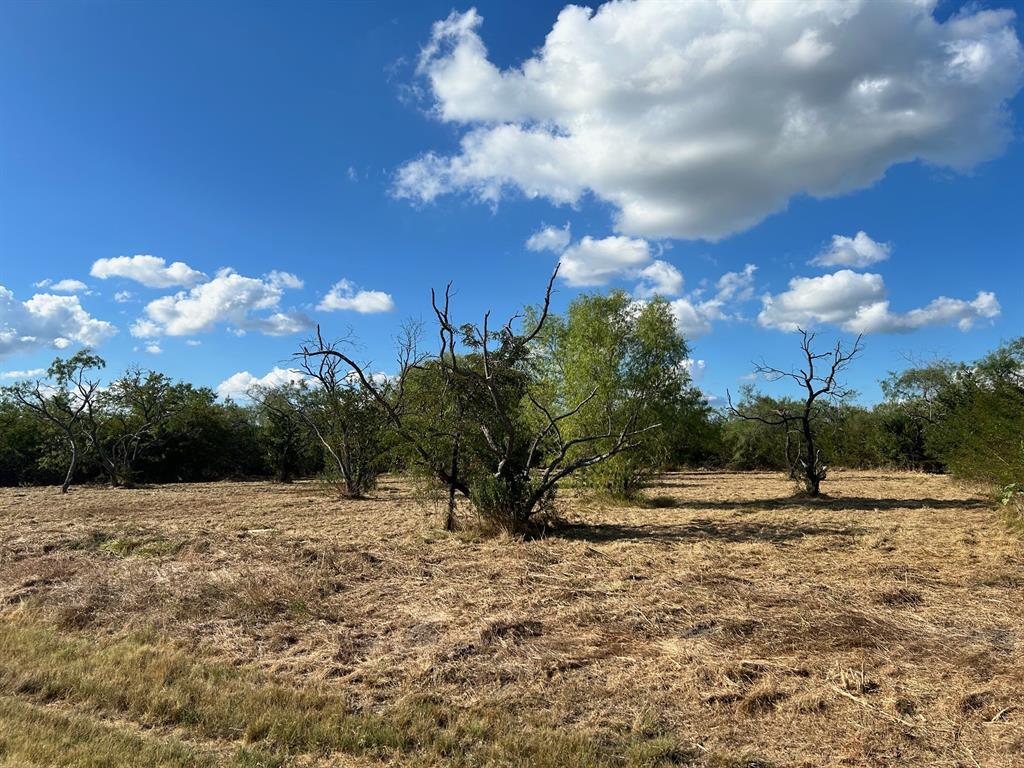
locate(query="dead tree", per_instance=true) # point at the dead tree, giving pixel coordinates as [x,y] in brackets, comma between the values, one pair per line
[505,464]
[64,400]
[819,381]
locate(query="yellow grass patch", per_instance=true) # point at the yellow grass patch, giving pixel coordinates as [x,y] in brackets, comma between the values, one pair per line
[722,623]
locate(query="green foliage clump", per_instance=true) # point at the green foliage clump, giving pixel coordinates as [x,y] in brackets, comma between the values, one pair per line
[627,362]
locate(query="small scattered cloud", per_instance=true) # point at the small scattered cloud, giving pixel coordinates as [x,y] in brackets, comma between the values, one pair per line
[548,238]
[659,278]
[48,320]
[280,279]
[857,302]
[238,385]
[31,373]
[695,315]
[123,297]
[858,251]
[150,271]
[244,303]
[345,296]
[593,262]
[67,285]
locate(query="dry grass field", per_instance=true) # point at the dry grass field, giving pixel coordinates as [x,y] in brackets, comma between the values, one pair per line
[720,623]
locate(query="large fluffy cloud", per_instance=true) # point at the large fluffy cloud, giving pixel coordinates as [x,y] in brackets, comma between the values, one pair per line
[857,302]
[47,319]
[151,271]
[244,303]
[344,295]
[699,119]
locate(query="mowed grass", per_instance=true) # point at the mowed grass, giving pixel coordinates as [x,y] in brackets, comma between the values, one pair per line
[34,735]
[719,623]
[70,701]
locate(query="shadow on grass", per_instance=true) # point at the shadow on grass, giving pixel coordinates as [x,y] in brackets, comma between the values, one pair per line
[836,503]
[702,530]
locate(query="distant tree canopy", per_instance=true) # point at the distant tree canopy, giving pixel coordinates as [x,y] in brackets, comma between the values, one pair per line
[499,414]
[822,392]
[969,418]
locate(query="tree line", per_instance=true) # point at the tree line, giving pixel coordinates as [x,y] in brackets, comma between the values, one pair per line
[495,416]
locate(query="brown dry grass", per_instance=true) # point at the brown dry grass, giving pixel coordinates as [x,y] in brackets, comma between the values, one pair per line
[881,627]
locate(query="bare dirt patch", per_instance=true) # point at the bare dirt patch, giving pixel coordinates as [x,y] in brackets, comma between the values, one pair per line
[881,626]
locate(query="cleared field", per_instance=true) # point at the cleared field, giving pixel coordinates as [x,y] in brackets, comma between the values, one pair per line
[720,624]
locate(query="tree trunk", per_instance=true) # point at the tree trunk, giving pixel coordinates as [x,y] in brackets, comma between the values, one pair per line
[71,465]
[449,520]
[812,478]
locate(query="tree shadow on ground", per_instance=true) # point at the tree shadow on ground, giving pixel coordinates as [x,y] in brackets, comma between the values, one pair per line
[833,503]
[701,530]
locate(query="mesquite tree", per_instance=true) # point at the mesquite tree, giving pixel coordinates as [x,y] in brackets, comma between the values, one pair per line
[345,419]
[123,419]
[282,429]
[634,356]
[483,429]
[818,378]
[62,399]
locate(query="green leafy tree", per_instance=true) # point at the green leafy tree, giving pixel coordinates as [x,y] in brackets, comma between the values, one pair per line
[62,399]
[980,429]
[283,433]
[123,420]
[346,420]
[758,441]
[628,362]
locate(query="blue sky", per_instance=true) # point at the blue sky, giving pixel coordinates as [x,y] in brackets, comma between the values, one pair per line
[398,146]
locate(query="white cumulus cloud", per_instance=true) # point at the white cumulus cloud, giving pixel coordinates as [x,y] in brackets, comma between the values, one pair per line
[47,319]
[698,119]
[858,251]
[238,385]
[245,303]
[694,314]
[67,285]
[659,278]
[284,279]
[593,261]
[554,239]
[345,296]
[31,373]
[150,271]
[857,302]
